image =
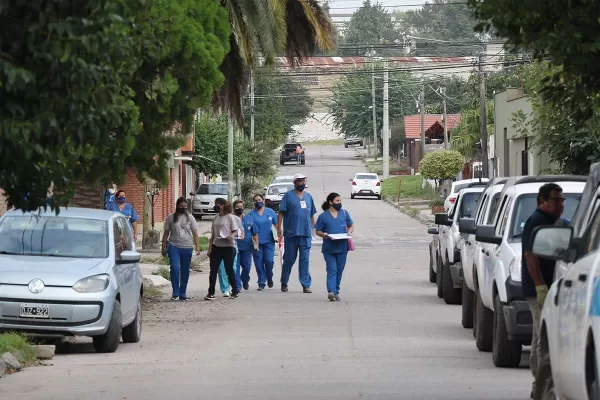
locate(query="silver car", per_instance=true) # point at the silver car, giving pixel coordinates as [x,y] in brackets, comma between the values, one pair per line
[75,273]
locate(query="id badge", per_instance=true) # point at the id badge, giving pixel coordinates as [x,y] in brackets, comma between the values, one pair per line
[302,203]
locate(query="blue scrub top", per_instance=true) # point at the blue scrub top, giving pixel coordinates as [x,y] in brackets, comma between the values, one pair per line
[250,229]
[326,223]
[265,224]
[108,200]
[127,211]
[297,213]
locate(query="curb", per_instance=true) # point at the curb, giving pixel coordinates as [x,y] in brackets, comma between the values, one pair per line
[401,209]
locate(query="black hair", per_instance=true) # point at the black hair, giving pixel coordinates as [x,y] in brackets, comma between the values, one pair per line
[258,195]
[226,205]
[331,197]
[177,203]
[118,193]
[545,192]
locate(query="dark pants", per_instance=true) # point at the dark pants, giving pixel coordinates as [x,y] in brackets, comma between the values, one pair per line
[227,255]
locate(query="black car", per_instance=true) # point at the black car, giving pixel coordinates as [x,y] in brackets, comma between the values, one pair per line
[288,153]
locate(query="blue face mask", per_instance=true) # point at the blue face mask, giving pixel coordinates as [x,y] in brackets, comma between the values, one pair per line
[121,200]
[301,188]
[337,206]
[239,211]
[259,205]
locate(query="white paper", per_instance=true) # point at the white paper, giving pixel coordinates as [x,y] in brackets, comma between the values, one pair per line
[224,233]
[338,236]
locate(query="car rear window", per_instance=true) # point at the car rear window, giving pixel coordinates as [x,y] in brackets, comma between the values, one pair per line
[526,205]
[367,176]
[468,205]
[215,188]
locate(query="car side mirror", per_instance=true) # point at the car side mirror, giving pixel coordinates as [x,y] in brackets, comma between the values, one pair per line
[552,242]
[265,188]
[487,234]
[129,257]
[442,219]
[433,230]
[350,179]
[466,225]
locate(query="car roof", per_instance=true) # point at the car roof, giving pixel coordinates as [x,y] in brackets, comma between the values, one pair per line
[281,184]
[589,194]
[473,189]
[67,212]
[463,181]
[531,184]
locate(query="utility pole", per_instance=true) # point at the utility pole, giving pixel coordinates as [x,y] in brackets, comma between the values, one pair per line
[251,105]
[373,101]
[386,122]
[446,144]
[483,119]
[229,158]
[422,107]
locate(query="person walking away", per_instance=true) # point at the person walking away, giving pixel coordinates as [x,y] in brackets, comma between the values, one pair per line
[297,216]
[121,205]
[264,258]
[299,154]
[245,245]
[109,197]
[538,273]
[179,240]
[222,247]
[334,219]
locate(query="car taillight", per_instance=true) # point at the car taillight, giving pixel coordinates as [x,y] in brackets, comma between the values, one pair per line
[378,184]
[452,199]
[353,183]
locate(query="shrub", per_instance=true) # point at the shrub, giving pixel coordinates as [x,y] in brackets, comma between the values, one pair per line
[440,165]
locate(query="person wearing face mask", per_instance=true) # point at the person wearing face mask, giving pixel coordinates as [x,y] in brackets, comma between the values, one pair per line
[179,240]
[109,197]
[222,274]
[294,223]
[334,220]
[121,205]
[245,244]
[265,219]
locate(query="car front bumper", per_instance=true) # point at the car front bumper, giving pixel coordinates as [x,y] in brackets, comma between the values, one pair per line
[70,313]
[274,205]
[519,322]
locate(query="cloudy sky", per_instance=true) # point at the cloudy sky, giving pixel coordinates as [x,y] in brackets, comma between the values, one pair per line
[350,6]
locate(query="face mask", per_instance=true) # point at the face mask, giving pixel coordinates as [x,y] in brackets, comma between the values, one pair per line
[181,210]
[111,191]
[217,208]
[259,205]
[239,211]
[337,206]
[121,200]
[300,188]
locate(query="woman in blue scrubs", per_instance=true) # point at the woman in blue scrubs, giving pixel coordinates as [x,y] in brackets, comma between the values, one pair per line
[121,205]
[245,245]
[264,219]
[334,220]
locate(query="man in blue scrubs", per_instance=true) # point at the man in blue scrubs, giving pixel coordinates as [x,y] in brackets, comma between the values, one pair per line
[297,214]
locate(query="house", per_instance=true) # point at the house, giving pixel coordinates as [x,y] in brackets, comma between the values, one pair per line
[512,152]
[434,135]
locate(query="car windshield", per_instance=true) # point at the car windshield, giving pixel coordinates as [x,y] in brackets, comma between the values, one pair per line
[493,208]
[367,176]
[215,188]
[282,179]
[54,237]
[468,205]
[279,189]
[526,205]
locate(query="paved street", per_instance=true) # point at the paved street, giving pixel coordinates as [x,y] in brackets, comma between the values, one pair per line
[389,338]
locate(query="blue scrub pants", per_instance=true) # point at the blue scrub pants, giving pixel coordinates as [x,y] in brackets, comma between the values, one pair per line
[244,265]
[294,246]
[263,261]
[335,263]
[180,269]
[224,280]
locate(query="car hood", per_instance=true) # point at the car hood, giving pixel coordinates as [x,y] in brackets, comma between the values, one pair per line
[53,271]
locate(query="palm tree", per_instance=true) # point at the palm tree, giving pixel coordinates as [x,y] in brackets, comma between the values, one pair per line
[269,28]
[466,135]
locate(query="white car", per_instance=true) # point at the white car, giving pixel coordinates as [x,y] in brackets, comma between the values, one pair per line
[449,277]
[503,319]
[284,179]
[457,187]
[366,184]
[568,365]
[471,252]
[203,202]
[275,193]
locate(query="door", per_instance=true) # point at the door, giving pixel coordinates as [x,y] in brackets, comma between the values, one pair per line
[124,272]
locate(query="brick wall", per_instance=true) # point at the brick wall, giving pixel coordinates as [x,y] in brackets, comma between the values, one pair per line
[88,196]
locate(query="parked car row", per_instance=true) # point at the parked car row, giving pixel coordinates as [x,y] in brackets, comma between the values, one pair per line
[475,260]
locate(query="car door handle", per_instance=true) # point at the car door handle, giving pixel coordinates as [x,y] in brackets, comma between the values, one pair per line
[582,277]
[482,251]
[487,253]
[557,292]
[568,283]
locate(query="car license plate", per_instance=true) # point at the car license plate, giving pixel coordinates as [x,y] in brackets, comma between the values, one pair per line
[35,311]
[365,191]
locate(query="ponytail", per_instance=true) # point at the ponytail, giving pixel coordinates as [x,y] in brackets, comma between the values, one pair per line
[325,205]
[330,197]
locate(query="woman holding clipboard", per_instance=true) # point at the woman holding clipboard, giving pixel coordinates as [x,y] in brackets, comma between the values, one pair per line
[334,225]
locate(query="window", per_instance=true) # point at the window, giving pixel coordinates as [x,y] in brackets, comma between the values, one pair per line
[593,231]
[367,176]
[501,224]
[122,238]
[214,188]
[482,209]
[493,208]
[468,206]
[279,189]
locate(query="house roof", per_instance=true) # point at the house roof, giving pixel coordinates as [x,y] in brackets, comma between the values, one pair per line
[412,123]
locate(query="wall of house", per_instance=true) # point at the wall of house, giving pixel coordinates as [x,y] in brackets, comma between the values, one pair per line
[3,207]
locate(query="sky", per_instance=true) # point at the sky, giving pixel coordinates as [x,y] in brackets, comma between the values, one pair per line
[350,6]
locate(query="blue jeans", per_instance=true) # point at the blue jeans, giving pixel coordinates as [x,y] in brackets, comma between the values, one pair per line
[263,261]
[335,263]
[180,269]
[294,245]
[244,265]
[299,158]
[224,280]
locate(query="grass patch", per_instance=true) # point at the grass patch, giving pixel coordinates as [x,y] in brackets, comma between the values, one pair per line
[162,260]
[329,142]
[152,293]
[411,211]
[16,343]
[410,187]
[204,240]
[163,271]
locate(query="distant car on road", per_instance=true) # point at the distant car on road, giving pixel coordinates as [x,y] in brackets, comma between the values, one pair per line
[283,179]
[275,193]
[353,141]
[366,184]
[70,274]
[288,153]
[203,201]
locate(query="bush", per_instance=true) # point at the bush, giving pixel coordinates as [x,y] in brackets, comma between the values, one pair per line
[163,271]
[15,343]
[440,165]
[436,202]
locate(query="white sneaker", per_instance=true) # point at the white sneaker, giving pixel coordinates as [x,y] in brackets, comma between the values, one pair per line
[226,294]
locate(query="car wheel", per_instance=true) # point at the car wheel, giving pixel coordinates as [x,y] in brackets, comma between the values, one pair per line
[109,342]
[132,333]
[544,383]
[352,196]
[432,277]
[451,295]
[484,325]
[468,298]
[506,353]
[438,277]
[379,197]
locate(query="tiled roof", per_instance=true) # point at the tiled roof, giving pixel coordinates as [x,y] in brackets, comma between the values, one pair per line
[412,123]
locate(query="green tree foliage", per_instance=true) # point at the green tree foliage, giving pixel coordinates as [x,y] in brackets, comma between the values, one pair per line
[89,88]
[466,136]
[566,33]
[442,164]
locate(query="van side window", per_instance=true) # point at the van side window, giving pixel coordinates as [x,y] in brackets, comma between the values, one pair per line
[592,240]
[504,217]
[482,208]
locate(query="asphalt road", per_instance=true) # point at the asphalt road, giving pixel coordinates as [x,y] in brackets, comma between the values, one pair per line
[389,338]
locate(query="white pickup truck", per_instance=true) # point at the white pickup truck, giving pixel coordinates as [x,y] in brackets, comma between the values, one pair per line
[504,322]
[568,366]
[451,241]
